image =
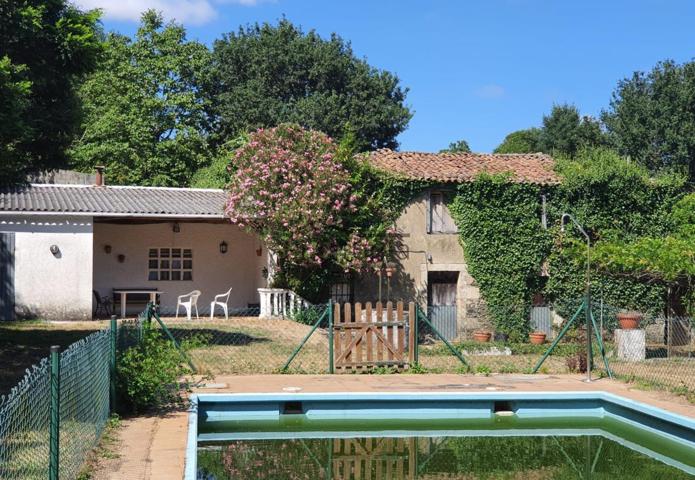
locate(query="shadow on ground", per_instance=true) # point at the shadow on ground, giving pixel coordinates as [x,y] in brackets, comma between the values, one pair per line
[20,348]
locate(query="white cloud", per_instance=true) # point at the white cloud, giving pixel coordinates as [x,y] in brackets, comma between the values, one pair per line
[490,91]
[190,12]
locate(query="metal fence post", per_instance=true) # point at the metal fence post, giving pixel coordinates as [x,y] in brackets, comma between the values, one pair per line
[112,362]
[331,367]
[54,420]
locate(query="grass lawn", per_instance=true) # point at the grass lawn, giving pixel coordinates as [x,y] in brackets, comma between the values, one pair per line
[23,344]
[249,345]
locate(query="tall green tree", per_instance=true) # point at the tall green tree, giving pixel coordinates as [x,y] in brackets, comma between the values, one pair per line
[521,141]
[46,47]
[652,117]
[566,132]
[270,74]
[460,146]
[145,116]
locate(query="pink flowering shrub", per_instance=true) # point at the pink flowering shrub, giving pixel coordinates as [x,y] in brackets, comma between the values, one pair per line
[292,187]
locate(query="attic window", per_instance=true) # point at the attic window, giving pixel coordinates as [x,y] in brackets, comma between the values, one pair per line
[440,220]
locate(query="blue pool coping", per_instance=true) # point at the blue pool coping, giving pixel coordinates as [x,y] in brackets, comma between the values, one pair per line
[606,404]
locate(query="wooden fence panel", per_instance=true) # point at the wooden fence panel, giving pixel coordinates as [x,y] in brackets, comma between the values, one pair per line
[365,337]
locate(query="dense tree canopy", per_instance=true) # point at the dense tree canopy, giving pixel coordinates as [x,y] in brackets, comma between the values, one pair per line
[460,146]
[145,116]
[521,141]
[46,46]
[652,117]
[270,74]
[566,132]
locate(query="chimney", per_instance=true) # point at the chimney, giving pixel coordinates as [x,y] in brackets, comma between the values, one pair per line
[99,182]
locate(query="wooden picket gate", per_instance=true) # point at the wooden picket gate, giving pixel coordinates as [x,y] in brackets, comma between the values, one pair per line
[374,458]
[369,336]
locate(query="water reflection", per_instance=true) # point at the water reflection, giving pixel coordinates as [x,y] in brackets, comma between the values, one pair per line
[492,457]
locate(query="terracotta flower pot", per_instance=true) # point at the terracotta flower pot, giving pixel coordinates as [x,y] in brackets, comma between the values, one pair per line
[537,338]
[482,337]
[629,320]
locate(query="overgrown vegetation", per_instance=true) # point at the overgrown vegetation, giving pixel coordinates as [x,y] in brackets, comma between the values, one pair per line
[153,374]
[611,198]
[504,245]
[626,211]
[321,211]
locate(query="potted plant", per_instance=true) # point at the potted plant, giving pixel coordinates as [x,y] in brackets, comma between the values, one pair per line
[629,319]
[537,338]
[482,336]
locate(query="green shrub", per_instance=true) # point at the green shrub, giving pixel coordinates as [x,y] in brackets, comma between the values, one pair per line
[309,316]
[152,374]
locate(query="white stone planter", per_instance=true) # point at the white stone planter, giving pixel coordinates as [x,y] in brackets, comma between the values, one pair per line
[630,345]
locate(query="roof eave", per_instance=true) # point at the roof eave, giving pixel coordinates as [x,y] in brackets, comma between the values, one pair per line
[110,214]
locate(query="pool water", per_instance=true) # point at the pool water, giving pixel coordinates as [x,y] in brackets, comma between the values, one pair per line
[296,447]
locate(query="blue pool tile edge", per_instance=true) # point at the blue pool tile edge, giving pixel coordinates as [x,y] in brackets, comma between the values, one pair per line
[191,465]
[611,400]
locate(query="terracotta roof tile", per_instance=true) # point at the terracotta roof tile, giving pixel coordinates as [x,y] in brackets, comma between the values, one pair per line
[464,167]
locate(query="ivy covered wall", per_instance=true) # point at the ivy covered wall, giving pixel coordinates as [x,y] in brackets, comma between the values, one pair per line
[506,246]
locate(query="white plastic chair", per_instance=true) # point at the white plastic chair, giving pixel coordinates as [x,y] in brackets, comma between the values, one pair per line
[220,300]
[189,302]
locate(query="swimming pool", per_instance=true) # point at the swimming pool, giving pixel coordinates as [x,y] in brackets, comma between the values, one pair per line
[434,435]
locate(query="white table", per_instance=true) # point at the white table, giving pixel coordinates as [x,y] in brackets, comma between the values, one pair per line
[124,296]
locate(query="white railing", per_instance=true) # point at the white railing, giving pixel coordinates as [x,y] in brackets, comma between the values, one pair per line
[280,302]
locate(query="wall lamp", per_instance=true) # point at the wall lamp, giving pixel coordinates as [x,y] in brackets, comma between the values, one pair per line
[176,227]
[223,247]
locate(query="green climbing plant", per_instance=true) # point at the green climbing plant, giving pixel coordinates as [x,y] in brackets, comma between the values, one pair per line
[504,244]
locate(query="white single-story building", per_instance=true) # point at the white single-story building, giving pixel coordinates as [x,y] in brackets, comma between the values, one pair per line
[62,245]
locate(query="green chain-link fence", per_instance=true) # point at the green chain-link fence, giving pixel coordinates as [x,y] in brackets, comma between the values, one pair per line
[247,344]
[41,438]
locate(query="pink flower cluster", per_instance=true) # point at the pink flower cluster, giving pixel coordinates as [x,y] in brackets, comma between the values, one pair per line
[290,187]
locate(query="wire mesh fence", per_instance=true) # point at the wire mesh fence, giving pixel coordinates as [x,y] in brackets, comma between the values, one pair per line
[247,344]
[659,353]
[24,422]
[84,399]
[83,405]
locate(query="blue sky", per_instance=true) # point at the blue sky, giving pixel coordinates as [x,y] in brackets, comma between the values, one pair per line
[476,70]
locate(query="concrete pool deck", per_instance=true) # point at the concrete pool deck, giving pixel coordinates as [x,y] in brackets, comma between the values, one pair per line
[165,442]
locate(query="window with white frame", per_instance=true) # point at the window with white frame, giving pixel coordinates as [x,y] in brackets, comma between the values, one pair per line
[170,264]
[440,220]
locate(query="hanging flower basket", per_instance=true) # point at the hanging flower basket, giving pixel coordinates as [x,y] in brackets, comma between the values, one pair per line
[537,338]
[629,320]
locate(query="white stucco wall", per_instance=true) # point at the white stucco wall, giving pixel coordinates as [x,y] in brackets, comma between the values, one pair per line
[213,272]
[47,285]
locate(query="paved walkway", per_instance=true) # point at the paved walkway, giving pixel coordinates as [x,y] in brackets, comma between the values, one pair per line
[154,447]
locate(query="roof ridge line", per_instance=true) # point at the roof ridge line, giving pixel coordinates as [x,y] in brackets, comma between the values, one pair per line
[124,187]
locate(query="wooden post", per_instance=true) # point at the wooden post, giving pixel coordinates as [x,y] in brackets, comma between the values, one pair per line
[389,330]
[411,333]
[400,331]
[360,333]
[337,336]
